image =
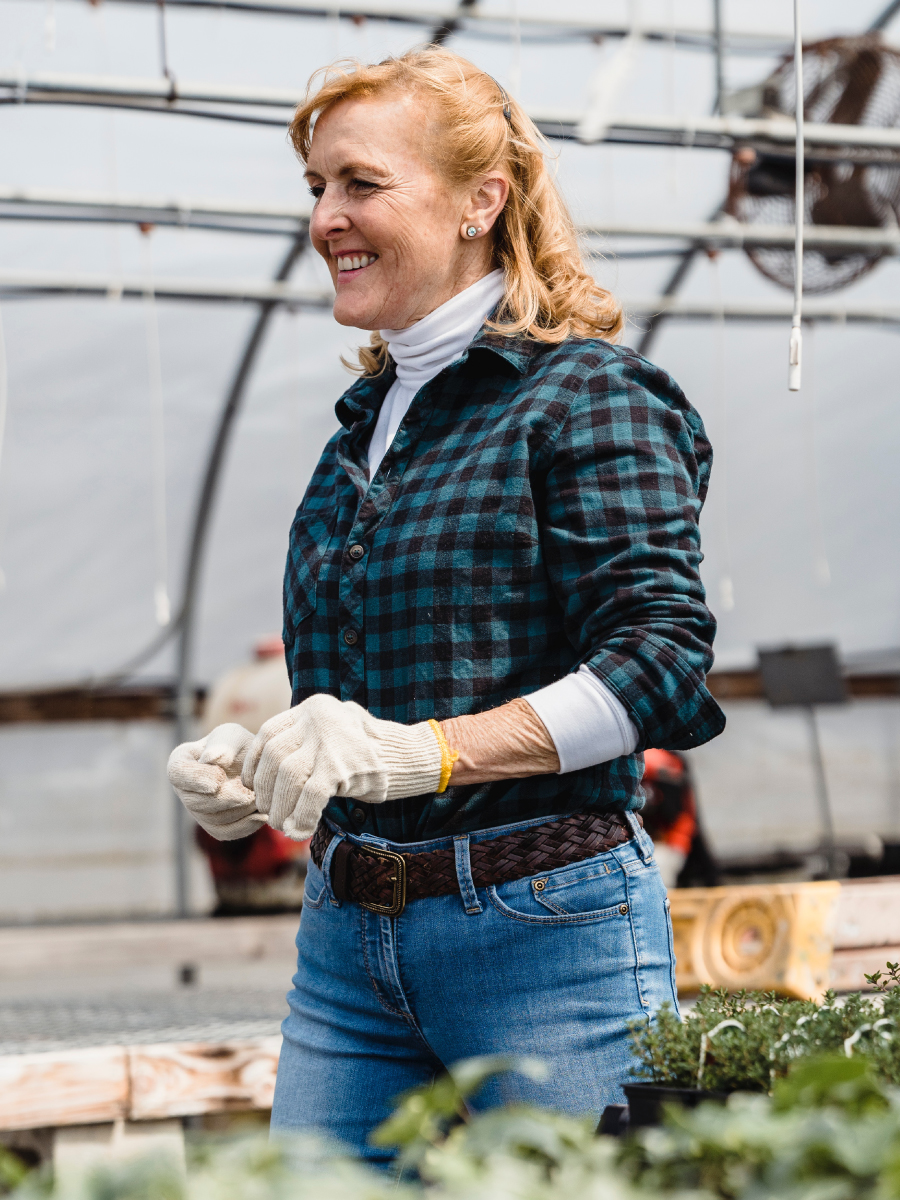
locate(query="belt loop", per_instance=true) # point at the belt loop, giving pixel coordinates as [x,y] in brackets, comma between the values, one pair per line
[326,867]
[470,899]
[642,839]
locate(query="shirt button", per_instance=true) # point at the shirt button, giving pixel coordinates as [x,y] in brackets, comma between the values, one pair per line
[351,637]
[358,816]
[356,552]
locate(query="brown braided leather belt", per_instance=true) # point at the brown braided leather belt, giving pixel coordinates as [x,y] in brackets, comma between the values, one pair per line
[385,882]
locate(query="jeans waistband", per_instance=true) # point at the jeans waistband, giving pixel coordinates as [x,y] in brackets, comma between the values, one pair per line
[448,841]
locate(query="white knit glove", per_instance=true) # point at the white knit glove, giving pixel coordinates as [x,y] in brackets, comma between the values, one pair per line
[327,747]
[207,778]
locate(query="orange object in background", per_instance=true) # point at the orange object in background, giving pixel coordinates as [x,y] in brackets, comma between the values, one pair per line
[671,819]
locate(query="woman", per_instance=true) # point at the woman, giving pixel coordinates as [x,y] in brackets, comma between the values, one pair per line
[492,606]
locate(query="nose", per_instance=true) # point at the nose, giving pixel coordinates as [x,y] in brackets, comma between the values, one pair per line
[328,218]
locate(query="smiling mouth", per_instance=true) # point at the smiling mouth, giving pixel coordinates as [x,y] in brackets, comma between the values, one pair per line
[346,263]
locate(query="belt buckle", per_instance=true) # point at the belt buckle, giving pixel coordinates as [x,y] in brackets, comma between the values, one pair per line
[398,879]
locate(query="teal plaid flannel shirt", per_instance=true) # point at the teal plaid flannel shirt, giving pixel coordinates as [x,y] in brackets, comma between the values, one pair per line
[537,510]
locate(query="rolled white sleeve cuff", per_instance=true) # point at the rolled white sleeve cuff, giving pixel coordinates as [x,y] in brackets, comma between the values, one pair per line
[587,723]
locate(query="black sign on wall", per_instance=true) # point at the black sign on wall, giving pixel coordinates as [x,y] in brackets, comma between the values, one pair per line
[805,677]
[802,675]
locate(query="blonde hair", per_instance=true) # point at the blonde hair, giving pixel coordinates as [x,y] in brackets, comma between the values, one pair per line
[550,295]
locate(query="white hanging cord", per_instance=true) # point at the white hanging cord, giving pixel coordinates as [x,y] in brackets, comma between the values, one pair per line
[4,404]
[50,27]
[726,579]
[822,567]
[608,82]
[515,68]
[161,600]
[164,47]
[799,205]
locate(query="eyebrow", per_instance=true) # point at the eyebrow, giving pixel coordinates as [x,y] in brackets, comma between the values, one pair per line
[353,168]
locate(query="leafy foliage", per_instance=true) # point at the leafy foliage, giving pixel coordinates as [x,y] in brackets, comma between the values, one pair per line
[830,1131]
[12,1171]
[765,1037]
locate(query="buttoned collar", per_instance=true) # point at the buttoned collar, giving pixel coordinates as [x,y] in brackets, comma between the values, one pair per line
[358,406]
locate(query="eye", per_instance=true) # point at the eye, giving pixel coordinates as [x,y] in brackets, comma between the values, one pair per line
[317,190]
[363,185]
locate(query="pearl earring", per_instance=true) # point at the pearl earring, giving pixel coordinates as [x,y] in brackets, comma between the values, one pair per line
[472,231]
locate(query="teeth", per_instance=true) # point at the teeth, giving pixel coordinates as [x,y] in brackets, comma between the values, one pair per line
[355,262]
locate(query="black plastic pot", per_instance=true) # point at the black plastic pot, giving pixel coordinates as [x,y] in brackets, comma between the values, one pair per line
[646,1101]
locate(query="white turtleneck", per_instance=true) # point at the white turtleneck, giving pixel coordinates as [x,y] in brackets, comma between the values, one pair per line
[587,723]
[424,349]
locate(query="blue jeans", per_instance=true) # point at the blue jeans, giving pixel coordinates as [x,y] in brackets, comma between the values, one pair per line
[554,965]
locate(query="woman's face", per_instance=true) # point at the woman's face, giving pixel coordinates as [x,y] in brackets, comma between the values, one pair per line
[391,230]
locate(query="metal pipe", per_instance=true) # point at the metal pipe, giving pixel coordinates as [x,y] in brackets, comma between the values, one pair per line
[832,142]
[49,283]
[685,308]
[37,204]
[22,284]
[447,26]
[489,25]
[184,692]
[825,814]
[670,288]
[885,17]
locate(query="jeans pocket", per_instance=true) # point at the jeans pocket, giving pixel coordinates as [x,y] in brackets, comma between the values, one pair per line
[672,963]
[314,887]
[595,890]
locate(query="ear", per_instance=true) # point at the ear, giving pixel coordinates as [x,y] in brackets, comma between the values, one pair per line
[486,200]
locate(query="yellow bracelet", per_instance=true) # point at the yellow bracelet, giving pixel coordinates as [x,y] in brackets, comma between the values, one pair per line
[448,756]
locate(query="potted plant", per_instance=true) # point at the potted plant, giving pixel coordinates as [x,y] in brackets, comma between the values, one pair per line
[747,1041]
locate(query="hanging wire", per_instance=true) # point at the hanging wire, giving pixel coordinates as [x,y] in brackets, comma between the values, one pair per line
[609,81]
[670,92]
[161,602]
[164,46]
[726,580]
[515,68]
[796,346]
[50,27]
[822,567]
[4,404]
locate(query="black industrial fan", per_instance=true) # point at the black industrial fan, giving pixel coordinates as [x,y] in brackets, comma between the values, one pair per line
[847,81]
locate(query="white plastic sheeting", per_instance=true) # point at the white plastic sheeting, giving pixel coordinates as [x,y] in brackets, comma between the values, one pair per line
[798,480]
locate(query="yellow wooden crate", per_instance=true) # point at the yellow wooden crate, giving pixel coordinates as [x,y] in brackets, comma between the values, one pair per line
[775,937]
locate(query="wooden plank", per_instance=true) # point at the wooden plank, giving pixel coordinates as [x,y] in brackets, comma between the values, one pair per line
[868,913]
[154,702]
[69,1087]
[849,968]
[136,1083]
[31,949]
[188,1080]
[747,685]
[128,703]
[766,936]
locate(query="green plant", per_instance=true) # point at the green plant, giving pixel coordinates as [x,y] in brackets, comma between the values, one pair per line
[885,983]
[830,1131]
[747,1041]
[12,1171]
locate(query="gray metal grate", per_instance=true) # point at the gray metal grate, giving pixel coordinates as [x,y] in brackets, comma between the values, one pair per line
[195,1015]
